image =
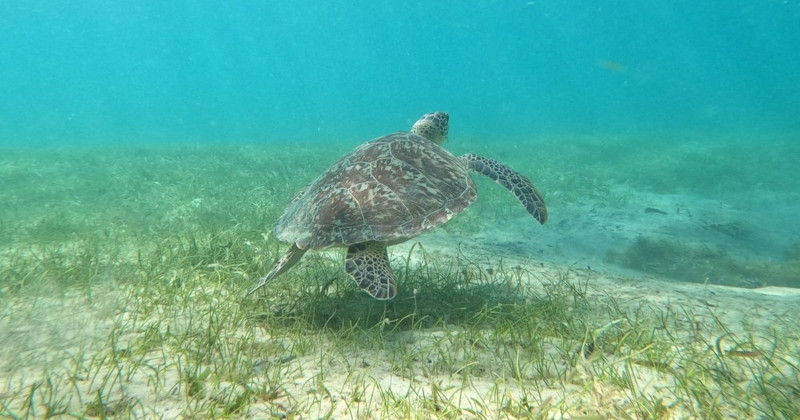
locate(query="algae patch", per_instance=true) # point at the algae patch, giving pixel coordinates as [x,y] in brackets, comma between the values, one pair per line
[700,264]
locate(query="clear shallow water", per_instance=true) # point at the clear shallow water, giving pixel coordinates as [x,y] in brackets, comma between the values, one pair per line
[135,251]
[113,73]
[682,100]
[691,101]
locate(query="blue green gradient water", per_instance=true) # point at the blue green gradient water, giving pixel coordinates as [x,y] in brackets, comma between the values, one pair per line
[147,148]
[187,71]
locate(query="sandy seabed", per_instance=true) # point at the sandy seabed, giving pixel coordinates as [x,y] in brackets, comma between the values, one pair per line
[54,341]
[677,308]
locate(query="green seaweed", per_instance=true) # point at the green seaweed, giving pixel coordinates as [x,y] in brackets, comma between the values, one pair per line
[122,275]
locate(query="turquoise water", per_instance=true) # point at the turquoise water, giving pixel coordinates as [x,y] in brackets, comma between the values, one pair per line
[148,147]
[186,71]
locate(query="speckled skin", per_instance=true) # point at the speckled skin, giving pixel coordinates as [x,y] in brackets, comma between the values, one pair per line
[368,264]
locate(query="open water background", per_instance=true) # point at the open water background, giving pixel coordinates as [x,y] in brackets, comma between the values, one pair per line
[121,72]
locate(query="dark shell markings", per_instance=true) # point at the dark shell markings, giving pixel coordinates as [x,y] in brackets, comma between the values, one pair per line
[387,191]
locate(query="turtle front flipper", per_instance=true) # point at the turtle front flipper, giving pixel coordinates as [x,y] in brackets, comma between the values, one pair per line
[513,181]
[368,264]
[285,262]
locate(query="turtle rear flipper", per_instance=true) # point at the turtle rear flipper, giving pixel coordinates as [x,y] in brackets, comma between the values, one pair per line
[513,181]
[368,264]
[285,262]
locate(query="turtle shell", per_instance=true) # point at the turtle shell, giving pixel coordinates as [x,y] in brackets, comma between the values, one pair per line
[389,189]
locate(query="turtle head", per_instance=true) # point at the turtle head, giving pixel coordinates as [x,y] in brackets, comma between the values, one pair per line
[433,126]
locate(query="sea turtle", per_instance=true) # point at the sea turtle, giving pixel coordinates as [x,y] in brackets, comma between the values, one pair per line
[384,192]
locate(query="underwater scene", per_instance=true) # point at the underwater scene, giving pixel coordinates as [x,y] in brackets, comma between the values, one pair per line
[609,229]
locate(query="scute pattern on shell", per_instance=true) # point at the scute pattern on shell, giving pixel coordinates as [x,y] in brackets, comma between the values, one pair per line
[389,189]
